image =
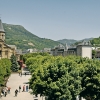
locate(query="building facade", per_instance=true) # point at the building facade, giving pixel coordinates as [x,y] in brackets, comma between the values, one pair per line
[84,50]
[5,50]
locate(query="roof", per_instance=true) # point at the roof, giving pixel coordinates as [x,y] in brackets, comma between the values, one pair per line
[6,45]
[1,27]
[12,46]
[84,43]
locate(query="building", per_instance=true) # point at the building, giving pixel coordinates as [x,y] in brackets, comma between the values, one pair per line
[18,54]
[47,50]
[84,50]
[5,50]
[32,50]
[59,50]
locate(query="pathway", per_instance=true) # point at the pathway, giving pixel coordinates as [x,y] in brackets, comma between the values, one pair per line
[14,81]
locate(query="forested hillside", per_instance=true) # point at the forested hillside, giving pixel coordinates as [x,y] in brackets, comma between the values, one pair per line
[68,41]
[23,39]
[95,41]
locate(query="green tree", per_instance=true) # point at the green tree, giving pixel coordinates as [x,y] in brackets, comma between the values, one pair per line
[14,64]
[54,77]
[94,52]
[5,70]
[63,78]
[7,64]
[91,81]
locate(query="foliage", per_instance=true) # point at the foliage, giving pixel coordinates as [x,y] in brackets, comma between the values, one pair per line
[26,56]
[68,41]
[63,78]
[5,66]
[95,42]
[91,81]
[94,52]
[50,77]
[14,64]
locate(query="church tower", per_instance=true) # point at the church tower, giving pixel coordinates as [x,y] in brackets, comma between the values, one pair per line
[6,51]
[2,32]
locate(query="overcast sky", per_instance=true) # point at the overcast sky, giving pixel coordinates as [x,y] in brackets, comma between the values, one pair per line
[54,19]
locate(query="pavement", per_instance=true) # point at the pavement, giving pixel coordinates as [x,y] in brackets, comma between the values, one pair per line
[14,81]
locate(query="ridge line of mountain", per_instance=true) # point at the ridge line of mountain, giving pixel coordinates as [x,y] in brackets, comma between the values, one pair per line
[23,39]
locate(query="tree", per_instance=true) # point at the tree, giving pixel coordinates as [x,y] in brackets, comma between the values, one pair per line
[51,81]
[91,81]
[54,77]
[94,52]
[5,70]
[14,64]
[64,78]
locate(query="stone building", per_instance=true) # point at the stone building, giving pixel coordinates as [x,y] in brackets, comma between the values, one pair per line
[84,50]
[5,50]
[58,50]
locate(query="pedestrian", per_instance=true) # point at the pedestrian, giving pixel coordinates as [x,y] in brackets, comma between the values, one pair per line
[27,88]
[25,74]
[23,88]
[5,92]
[21,73]
[9,89]
[16,92]
[1,94]
[19,88]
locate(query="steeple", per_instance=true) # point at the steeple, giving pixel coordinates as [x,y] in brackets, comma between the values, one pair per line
[2,32]
[66,47]
[1,27]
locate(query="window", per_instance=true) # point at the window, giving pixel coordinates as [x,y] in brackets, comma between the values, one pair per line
[6,52]
[0,52]
[0,45]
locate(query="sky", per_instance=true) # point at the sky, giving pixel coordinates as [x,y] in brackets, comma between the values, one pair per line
[54,19]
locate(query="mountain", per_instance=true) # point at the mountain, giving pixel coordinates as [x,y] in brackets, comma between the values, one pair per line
[23,39]
[68,41]
[72,41]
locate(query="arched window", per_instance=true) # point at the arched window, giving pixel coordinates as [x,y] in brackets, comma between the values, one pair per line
[2,36]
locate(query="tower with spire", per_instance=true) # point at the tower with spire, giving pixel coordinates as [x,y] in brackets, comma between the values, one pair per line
[5,50]
[2,32]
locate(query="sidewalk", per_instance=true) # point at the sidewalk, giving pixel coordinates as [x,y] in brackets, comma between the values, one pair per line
[14,81]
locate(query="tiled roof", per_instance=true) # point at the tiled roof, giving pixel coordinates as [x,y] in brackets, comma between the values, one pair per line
[1,27]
